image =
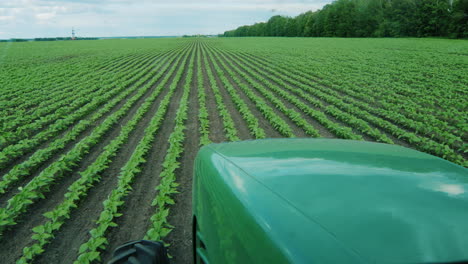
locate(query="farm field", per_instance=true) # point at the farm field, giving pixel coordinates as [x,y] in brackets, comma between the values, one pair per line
[98,138]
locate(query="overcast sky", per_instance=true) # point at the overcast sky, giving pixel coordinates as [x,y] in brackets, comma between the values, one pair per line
[105,18]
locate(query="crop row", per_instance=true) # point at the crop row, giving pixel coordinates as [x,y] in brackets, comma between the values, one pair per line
[41,101]
[289,112]
[62,102]
[56,218]
[40,184]
[30,98]
[203,112]
[252,121]
[344,117]
[406,83]
[57,112]
[340,131]
[42,155]
[90,250]
[14,151]
[279,124]
[288,74]
[56,77]
[229,126]
[414,116]
[167,186]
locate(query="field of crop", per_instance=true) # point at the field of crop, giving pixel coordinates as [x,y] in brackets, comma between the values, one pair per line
[98,138]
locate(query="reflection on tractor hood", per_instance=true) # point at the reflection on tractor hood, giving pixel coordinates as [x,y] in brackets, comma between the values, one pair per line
[408,208]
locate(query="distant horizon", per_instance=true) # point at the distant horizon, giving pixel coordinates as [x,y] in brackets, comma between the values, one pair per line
[174,36]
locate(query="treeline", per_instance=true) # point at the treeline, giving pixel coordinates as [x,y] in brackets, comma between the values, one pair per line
[369,18]
[44,39]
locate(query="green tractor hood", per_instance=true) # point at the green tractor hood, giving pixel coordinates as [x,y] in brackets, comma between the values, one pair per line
[332,201]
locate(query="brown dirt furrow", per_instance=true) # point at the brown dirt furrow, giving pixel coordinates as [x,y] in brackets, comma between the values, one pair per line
[240,123]
[90,205]
[13,190]
[75,231]
[299,132]
[137,209]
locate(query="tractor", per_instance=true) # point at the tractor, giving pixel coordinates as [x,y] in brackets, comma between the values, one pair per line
[321,201]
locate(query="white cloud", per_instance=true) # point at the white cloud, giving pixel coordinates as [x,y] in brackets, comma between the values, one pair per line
[45,16]
[5,18]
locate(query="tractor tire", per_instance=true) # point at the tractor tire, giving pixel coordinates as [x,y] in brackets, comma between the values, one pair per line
[140,252]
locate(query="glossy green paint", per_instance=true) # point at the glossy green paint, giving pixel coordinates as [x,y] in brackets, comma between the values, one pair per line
[329,201]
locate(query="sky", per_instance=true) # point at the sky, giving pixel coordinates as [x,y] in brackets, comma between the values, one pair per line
[108,18]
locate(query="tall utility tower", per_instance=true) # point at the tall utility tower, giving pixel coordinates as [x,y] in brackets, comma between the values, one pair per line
[73,34]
